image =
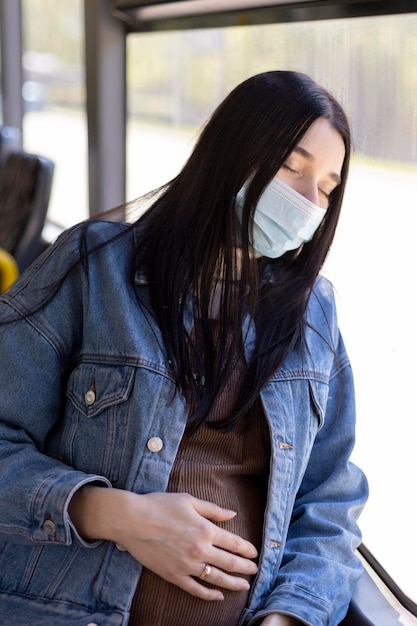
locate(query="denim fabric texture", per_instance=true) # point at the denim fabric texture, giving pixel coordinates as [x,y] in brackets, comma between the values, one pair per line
[85,385]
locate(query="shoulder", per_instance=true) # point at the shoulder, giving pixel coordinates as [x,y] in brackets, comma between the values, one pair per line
[321,310]
[324,289]
[323,296]
[102,232]
[76,243]
[67,259]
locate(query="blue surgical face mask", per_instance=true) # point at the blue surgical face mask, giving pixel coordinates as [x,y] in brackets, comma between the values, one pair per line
[283,219]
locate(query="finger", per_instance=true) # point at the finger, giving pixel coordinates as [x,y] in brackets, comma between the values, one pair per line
[198,590]
[224,580]
[233,563]
[212,511]
[233,543]
[223,538]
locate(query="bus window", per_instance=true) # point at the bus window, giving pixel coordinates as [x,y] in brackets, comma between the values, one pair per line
[54,101]
[175,79]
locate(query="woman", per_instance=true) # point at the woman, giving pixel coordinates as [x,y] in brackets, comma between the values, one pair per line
[177,407]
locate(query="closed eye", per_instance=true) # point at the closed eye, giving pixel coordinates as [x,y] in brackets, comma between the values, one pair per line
[289,169]
[327,194]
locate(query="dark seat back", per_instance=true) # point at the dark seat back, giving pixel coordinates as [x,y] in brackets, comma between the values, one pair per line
[10,141]
[25,188]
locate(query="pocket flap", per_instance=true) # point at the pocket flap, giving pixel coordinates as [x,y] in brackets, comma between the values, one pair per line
[92,387]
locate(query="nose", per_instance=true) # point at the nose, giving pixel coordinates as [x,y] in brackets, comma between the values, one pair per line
[308,189]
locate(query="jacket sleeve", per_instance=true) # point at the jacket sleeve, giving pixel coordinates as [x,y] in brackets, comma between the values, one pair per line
[320,566]
[35,489]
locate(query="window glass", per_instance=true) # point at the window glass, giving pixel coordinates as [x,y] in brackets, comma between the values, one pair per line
[175,81]
[1,87]
[54,122]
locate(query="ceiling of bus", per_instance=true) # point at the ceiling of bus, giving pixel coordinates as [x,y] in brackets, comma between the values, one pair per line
[145,15]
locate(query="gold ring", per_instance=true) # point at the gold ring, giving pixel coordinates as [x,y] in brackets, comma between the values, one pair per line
[206,571]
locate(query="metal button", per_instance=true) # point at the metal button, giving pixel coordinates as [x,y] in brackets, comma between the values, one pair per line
[283,445]
[92,624]
[120,547]
[155,444]
[90,397]
[50,527]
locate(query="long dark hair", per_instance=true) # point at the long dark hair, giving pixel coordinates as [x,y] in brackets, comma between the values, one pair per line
[195,254]
[192,249]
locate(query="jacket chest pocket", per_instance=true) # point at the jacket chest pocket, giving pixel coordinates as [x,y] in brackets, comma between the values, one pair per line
[96,418]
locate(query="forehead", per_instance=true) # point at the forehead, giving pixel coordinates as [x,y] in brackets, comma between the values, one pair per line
[326,147]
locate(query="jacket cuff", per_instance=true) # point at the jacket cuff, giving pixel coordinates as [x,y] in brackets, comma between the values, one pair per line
[292,600]
[51,520]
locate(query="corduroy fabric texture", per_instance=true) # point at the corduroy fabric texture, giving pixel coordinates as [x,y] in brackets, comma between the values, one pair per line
[230,469]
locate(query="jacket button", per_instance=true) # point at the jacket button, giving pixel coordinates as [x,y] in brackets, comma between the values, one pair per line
[155,444]
[90,397]
[92,624]
[120,547]
[50,527]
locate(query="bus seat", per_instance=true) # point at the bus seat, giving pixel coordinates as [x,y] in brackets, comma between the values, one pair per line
[25,188]
[10,141]
[8,270]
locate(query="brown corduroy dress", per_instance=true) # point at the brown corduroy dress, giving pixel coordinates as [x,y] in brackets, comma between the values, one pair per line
[230,469]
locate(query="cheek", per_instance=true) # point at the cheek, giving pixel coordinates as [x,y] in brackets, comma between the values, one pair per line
[292,179]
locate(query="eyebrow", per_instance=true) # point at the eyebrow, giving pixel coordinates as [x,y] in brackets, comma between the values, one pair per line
[310,157]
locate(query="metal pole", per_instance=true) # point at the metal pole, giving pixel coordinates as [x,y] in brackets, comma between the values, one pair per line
[11,62]
[105,56]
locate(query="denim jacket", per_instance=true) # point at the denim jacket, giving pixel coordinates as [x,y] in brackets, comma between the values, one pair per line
[87,396]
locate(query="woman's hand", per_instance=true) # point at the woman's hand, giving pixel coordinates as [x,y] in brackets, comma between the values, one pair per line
[171,534]
[280,620]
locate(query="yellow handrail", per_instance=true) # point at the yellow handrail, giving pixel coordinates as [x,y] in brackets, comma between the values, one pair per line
[9,270]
